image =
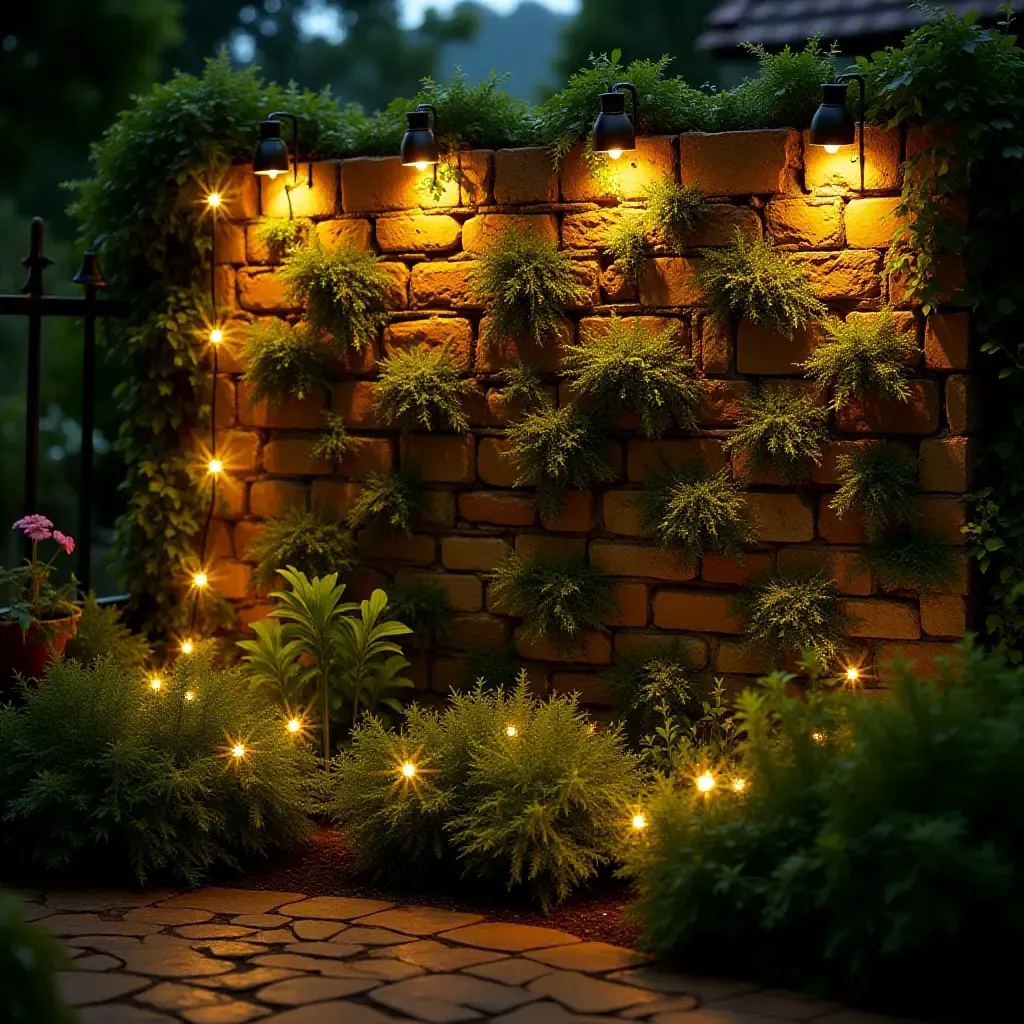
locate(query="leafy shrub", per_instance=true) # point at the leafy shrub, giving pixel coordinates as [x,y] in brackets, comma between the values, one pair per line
[780,429]
[524,281]
[784,613]
[543,808]
[560,449]
[878,481]
[627,243]
[388,502]
[909,559]
[424,607]
[630,368]
[314,542]
[522,387]
[557,601]
[102,634]
[752,280]
[695,511]
[897,823]
[342,291]
[282,234]
[420,388]
[674,211]
[282,360]
[863,355]
[99,771]
[29,960]
[335,442]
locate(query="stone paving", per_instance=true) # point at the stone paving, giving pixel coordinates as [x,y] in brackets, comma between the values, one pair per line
[227,956]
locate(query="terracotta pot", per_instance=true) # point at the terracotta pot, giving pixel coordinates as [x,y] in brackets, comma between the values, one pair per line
[29,653]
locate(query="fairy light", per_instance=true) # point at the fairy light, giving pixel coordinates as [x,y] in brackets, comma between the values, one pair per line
[213,200]
[852,674]
[187,647]
[510,731]
[408,769]
[216,336]
[238,751]
[705,782]
[739,785]
[200,580]
[189,696]
[639,822]
[215,467]
[294,725]
[818,737]
[155,683]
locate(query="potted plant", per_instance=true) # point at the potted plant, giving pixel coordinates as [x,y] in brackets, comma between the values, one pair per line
[41,618]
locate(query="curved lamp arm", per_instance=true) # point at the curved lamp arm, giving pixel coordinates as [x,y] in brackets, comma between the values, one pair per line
[859,79]
[636,102]
[284,114]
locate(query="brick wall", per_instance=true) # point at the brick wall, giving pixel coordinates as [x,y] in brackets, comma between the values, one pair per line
[766,181]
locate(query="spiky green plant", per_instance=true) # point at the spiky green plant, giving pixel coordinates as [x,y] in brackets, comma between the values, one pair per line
[909,559]
[695,511]
[557,601]
[674,211]
[342,291]
[863,355]
[524,282]
[281,234]
[627,243]
[314,542]
[389,502]
[334,443]
[780,429]
[559,449]
[630,368]
[282,361]
[423,388]
[752,280]
[102,634]
[879,481]
[522,387]
[788,613]
[424,607]
[491,668]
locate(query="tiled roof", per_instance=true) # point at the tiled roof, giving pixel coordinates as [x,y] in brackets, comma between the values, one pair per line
[774,22]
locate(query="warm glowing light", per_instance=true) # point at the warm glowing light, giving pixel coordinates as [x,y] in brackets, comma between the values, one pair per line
[216,336]
[614,153]
[831,149]
[187,647]
[818,737]
[591,728]
[294,725]
[238,751]
[155,683]
[271,174]
[739,785]
[852,674]
[189,696]
[213,200]
[408,769]
[200,580]
[421,165]
[639,822]
[706,782]
[215,466]
[510,730]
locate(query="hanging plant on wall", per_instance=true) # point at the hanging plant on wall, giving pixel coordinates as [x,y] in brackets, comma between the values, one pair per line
[675,211]
[312,542]
[878,481]
[283,361]
[909,559]
[282,234]
[421,388]
[627,244]
[335,443]
[389,502]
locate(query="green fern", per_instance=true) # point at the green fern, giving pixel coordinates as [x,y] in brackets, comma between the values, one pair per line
[313,542]
[675,211]
[102,634]
[630,368]
[878,481]
[420,388]
[389,502]
[522,387]
[909,559]
[281,234]
[627,243]
[282,361]
[335,443]
[424,607]
[863,355]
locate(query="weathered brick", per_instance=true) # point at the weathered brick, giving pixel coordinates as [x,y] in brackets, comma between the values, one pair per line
[237,449]
[442,285]
[243,536]
[618,286]
[229,579]
[288,413]
[844,567]
[262,291]
[595,650]
[476,177]
[721,225]
[493,355]
[886,620]
[418,233]
[464,593]
[525,176]
[225,283]
[717,343]
[599,326]
[848,530]
[730,569]
[253,613]
[493,464]
[227,402]
[670,281]
[905,323]
[618,559]
[643,456]
[813,223]
[841,171]
[781,517]
[232,498]
[334,496]
[577,514]
[259,250]
[554,549]
[918,415]
[764,350]
[630,175]
[947,341]
[379,184]
[229,241]
[497,507]
[396,548]
[240,192]
[871,223]
[628,644]
[948,272]
[218,539]
[587,275]
[619,515]
[275,497]
[350,234]
[589,688]
[593,229]
[480,231]
[452,332]
[962,406]
[396,295]
[631,599]
[945,517]
[943,615]
[736,656]
[357,402]
[849,274]
[319,201]
[473,554]
[443,459]
[699,610]
[741,163]
[438,510]
[720,402]
[946,464]
[478,630]
[925,659]
[293,457]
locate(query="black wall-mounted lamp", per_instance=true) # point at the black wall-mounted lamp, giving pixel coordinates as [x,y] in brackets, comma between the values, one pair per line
[614,132]
[270,157]
[832,125]
[419,143]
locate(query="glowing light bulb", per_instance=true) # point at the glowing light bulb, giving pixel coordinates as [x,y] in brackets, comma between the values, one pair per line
[852,674]
[216,336]
[213,200]
[831,149]
[187,647]
[510,730]
[408,769]
[200,580]
[294,725]
[739,785]
[706,782]
[189,696]
[614,154]
[271,174]
[215,466]
[639,822]
[238,751]
[818,737]
[421,165]
[155,683]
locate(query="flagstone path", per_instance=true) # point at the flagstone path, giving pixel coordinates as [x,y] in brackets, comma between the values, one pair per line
[227,956]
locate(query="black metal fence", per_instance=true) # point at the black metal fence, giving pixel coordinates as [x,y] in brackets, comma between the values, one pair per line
[33,303]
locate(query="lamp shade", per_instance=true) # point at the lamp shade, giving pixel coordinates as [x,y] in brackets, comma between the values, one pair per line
[614,132]
[833,124]
[270,157]
[419,145]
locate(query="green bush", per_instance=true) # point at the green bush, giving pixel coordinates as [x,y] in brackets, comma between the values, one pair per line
[863,355]
[752,280]
[878,481]
[627,243]
[559,449]
[29,960]
[784,613]
[557,601]
[630,368]
[695,511]
[101,772]
[522,388]
[342,291]
[313,542]
[282,234]
[389,502]
[420,388]
[282,361]
[909,559]
[674,211]
[334,443]
[424,607]
[102,634]
[541,809]
[865,866]
[525,282]
[780,429]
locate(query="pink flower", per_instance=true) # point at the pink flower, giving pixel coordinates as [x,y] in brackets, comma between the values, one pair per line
[66,542]
[35,527]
